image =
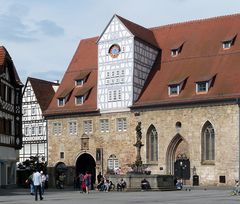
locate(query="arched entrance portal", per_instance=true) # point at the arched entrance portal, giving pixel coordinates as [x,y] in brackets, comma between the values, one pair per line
[86,163]
[178,162]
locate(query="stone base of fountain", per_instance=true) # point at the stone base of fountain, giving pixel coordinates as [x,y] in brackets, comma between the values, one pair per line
[133,180]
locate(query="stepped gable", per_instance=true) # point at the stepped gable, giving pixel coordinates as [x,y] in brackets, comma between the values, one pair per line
[43,91]
[84,61]
[202,56]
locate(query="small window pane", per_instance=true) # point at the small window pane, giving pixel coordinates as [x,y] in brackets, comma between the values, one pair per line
[61,102]
[121,124]
[87,125]
[79,100]
[79,82]
[104,125]
[202,86]
[72,128]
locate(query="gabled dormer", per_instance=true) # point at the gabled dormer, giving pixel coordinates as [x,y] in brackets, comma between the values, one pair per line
[177,49]
[204,84]
[81,95]
[81,78]
[228,42]
[63,97]
[176,86]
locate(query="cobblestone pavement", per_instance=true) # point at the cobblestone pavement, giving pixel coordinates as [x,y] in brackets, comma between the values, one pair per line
[68,196]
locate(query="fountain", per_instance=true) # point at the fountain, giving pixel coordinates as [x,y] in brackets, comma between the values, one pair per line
[138,167]
[138,171]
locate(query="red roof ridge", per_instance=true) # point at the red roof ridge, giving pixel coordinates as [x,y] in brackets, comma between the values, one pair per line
[196,21]
[131,21]
[42,80]
[139,31]
[82,70]
[90,38]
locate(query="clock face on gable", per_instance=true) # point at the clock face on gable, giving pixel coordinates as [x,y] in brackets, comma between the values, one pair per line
[114,50]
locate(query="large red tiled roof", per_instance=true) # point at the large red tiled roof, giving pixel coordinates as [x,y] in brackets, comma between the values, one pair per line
[43,90]
[202,57]
[84,61]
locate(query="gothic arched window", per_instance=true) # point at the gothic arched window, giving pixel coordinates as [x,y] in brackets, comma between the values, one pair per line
[208,143]
[152,144]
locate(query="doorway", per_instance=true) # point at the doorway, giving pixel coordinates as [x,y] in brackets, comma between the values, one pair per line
[86,163]
[178,162]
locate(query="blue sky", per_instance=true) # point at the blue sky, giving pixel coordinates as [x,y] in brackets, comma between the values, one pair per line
[42,35]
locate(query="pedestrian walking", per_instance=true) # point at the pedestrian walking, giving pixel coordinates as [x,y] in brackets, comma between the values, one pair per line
[37,182]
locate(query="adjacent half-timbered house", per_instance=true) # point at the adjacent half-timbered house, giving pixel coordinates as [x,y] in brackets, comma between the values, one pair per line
[179,80]
[37,95]
[10,118]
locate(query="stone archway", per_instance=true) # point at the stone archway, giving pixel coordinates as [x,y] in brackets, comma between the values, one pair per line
[177,146]
[86,163]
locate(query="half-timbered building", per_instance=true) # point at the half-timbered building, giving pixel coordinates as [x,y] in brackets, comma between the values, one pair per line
[179,80]
[10,118]
[37,95]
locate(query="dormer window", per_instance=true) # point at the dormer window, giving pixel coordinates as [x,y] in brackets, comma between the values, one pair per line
[81,94]
[79,100]
[203,86]
[228,42]
[175,87]
[61,102]
[79,82]
[81,78]
[176,50]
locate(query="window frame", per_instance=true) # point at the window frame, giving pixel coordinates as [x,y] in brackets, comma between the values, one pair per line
[199,88]
[79,97]
[79,82]
[88,126]
[121,124]
[208,144]
[72,127]
[227,44]
[175,52]
[112,162]
[57,128]
[152,145]
[61,102]
[104,125]
[170,90]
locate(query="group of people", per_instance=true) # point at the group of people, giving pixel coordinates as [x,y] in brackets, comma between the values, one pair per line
[104,184]
[38,182]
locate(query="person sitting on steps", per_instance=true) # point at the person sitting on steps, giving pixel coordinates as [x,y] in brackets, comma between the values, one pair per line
[145,185]
[121,185]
